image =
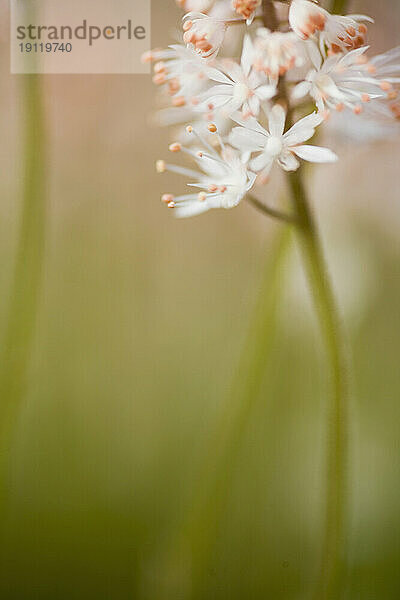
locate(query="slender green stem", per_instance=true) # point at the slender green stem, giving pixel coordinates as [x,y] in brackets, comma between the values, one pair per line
[269,211]
[329,581]
[27,277]
[197,535]
[215,480]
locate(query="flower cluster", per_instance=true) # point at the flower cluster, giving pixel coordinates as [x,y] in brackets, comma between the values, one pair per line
[313,63]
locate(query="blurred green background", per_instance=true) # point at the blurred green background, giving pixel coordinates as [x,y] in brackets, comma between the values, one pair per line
[140,327]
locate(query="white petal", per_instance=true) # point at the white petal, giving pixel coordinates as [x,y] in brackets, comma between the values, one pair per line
[251,124]
[234,70]
[303,127]
[243,139]
[298,137]
[262,162]
[218,89]
[254,104]
[300,90]
[191,210]
[217,75]
[288,162]
[314,54]
[361,18]
[315,154]
[266,92]
[252,178]
[277,118]
[247,55]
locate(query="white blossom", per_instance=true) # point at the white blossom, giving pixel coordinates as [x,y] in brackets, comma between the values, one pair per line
[240,87]
[195,5]
[180,70]
[275,52]
[204,33]
[276,146]
[222,180]
[322,56]
[246,8]
[336,32]
[349,80]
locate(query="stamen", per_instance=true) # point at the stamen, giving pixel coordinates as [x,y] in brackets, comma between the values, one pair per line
[159,78]
[159,67]
[176,147]
[179,101]
[201,139]
[385,86]
[160,166]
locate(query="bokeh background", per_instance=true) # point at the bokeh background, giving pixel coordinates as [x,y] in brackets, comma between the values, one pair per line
[141,323]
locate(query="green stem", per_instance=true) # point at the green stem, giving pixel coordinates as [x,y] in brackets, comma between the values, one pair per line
[221,459]
[269,211]
[27,277]
[329,581]
[199,531]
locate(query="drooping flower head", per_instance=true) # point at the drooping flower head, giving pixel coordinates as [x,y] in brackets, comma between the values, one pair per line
[222,180]
[338,33]
[350,80]
[246,8]
[240,86]
[275,52]
[204,33]
[273,145]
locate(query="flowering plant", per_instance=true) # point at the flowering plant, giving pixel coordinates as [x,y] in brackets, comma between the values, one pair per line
[310,54]
[300,65]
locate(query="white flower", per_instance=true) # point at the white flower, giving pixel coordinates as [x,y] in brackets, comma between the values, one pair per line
[275,145]
[240,86]
[195,5]
[246,8]
[349,80]
[203,33]
[181,70]
[276,52]
[337,32]
[386,66]
[223,181]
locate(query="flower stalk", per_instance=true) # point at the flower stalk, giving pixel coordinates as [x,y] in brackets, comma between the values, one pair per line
[218,466]
[28,271]
[269,211]
[329,579]
[252,109]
